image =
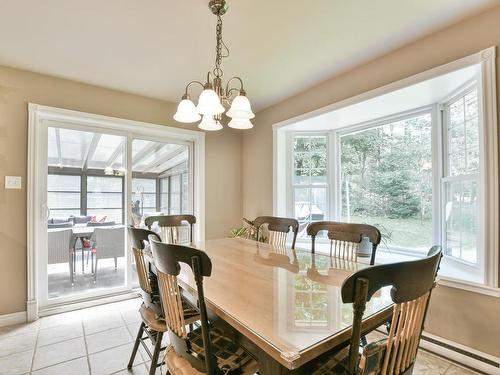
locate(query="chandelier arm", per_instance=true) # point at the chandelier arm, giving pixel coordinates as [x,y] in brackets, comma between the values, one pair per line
[228,90]
[186,95]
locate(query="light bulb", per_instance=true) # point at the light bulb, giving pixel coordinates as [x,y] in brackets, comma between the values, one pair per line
[209,123]
[240,108]
[240,124]
[186,112]
[209,103]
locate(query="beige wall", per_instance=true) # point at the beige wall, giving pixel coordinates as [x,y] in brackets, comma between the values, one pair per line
[17,88]
[467,318]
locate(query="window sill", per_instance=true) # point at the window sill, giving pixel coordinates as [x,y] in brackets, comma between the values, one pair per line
[384,257]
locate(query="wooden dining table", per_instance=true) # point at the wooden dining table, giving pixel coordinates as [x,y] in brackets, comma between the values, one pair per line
[283,306]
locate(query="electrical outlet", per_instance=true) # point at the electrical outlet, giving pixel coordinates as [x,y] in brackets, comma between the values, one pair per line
[13,182]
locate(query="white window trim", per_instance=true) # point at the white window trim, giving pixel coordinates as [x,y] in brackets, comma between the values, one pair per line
[37,148]
[487,59]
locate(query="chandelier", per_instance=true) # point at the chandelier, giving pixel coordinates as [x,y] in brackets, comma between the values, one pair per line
[215,98]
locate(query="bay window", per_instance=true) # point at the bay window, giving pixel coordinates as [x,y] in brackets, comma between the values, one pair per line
[421,175]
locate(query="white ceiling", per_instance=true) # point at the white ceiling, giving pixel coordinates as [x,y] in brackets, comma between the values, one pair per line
[412,97]
[155,47]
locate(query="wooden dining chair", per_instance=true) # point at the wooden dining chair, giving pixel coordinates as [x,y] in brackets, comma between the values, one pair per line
[278,228]
[205,349]
[345,238]
[152,320]
[171,226]
[412,283]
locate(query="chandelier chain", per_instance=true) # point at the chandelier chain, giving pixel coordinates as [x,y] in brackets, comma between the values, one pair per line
[219,47]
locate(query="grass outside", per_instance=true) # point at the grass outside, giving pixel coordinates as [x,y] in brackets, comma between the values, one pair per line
[407,233]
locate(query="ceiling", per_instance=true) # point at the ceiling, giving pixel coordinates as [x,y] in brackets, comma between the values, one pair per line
[154,48]
[419,95]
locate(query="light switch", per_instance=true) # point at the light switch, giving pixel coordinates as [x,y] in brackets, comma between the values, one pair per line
[13,182]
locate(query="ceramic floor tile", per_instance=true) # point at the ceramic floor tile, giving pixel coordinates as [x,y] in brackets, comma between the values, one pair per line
[19,343]
[61,352]
[131,316]
[112,360]
[59,333]
[58,319]
[16,364]
[136,370]
[107,339]
[456,370]
[428,364]
[93,324]
[19,329]
[78,366]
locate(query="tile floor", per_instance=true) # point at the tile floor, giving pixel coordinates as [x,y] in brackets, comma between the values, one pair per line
[99,340]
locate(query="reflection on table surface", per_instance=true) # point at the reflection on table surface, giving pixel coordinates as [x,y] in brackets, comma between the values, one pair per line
[291,299]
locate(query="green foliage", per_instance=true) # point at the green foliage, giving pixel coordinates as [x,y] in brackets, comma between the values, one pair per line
[386,170]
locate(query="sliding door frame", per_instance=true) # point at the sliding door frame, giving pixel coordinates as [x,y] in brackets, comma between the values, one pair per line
[39,119]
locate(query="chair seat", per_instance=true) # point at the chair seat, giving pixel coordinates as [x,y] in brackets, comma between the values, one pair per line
[230,356]
[157,323]
[177,365]
[370,363]
[331,363]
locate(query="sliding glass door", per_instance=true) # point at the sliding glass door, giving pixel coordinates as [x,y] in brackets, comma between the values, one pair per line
[85,253]
[97,183]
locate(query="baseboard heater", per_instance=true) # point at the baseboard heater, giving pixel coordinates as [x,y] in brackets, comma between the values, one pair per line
[461,355]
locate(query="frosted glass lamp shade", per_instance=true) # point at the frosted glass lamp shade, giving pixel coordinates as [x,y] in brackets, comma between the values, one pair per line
[209,123]
[240,124]
[209,103]
[186,112]
[240,108]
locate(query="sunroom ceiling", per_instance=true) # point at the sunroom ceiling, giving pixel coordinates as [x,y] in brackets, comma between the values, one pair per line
[69,148]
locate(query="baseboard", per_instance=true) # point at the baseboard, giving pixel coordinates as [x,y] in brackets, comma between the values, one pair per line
[466,356]
[91,302]
[11,319]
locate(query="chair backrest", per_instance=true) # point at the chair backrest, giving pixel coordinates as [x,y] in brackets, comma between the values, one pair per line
[139,238]
[58,245]
[110,242]
[345,238]
[278,228]
[170,226]
[412,283]
[167,260]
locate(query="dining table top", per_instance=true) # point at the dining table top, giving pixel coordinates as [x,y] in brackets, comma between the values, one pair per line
[288,302]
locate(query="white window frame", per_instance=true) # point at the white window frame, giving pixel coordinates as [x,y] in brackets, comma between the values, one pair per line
[457,263]
[487,95]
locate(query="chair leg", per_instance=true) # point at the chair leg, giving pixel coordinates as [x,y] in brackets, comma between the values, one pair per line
[95,270]
[156,353]
[71,276]
[136,346]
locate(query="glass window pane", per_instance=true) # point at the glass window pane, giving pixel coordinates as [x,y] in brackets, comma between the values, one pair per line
[463,136]
[63,200]
[144,185]
[57,182]
[104,200]
[185,194]
[100,184]
[387,181]
[461,220]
